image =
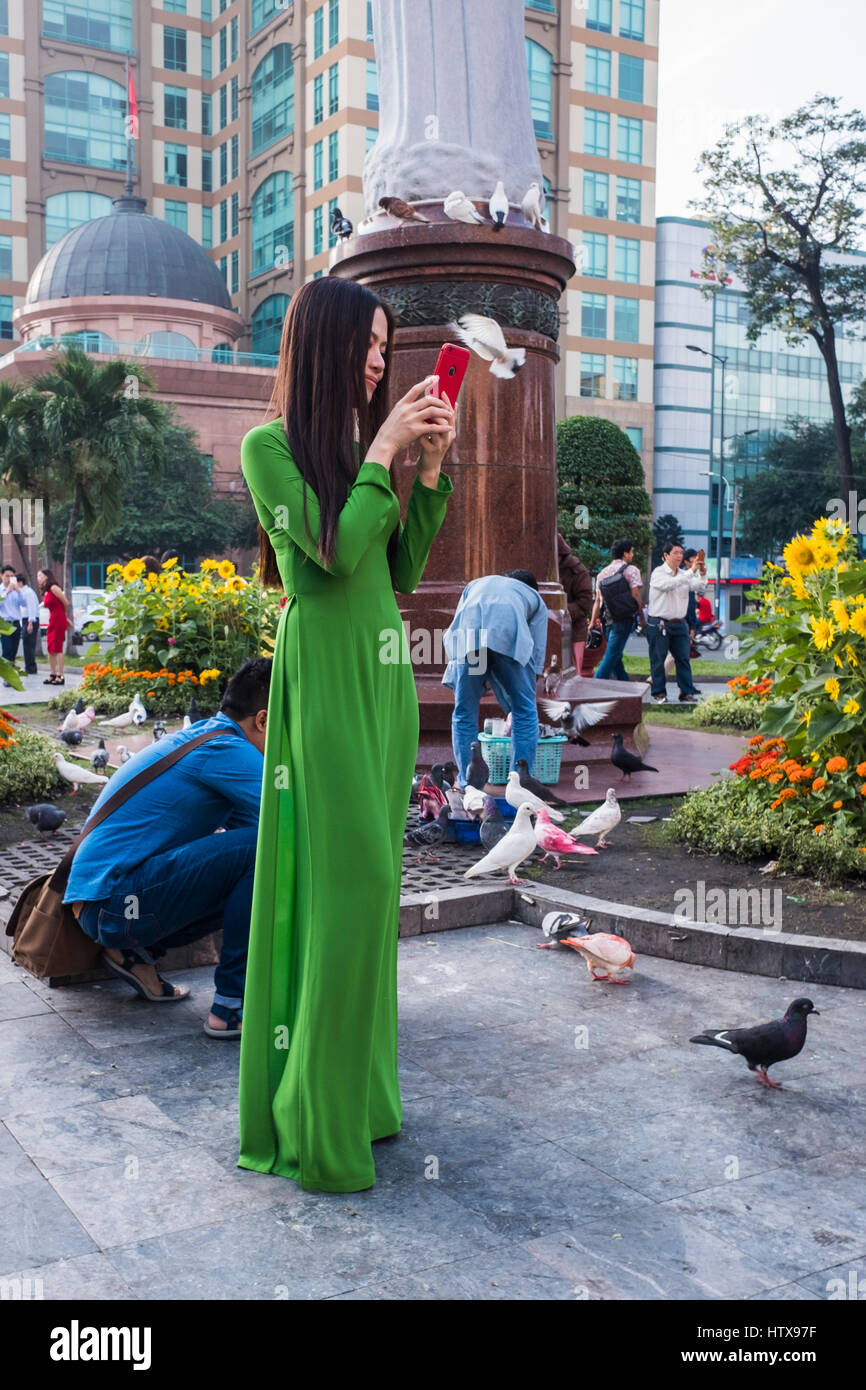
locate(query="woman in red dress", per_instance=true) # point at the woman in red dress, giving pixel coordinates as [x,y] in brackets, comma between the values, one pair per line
[58,606]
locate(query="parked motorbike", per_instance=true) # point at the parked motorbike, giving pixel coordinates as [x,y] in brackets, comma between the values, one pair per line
[709,635]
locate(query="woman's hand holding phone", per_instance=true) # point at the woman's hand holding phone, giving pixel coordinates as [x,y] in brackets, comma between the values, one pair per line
[413,417]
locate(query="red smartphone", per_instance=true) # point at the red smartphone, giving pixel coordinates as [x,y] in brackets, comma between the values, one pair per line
[450,368]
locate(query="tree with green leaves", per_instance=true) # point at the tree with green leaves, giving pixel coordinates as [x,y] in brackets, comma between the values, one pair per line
[29,466]
[601,493]
[666,528]
[785,200]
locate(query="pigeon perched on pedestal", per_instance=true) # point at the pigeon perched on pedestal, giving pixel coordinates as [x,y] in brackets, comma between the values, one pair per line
[498,206]
[341,228]
[531,206]
[459,208]
[405,211]
[766,1044]
[627,762]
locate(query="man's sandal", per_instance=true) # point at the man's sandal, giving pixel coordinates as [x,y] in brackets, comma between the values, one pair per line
[232,1028]
[169,992]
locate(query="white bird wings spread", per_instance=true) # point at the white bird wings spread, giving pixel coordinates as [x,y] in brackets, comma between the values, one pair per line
[584,715]
[483,334]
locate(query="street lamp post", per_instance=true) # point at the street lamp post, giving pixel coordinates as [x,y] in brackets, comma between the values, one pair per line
[692,347]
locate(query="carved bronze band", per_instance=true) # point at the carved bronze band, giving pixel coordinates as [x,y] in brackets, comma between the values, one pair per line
[416,305]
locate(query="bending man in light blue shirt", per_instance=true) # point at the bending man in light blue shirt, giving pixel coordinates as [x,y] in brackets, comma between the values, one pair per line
[154,874]
[498,637]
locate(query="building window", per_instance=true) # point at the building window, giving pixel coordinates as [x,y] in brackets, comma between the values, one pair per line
[318,154]
[594,315]
[222,353]
[596,194]
[4,16]
[273,88]
[540,64]
[369,21]
[224,164]
[625,378]
[174,49]
[318,99]
[629,139]
[595,255]
[317,274]
[627,260]
[6,197]
[177,214]
[224,47]
[372,85]
[628,193]
[176,165]
[592,375]
[206,9]
[224,106]
[267,324]
[273,223]
[598,71]
[630,78]
[626,319]
[319,32]
[236,274]
[635,435]
[333,22]
[206,171]
[332,236]
[206,56]
[224,220]
[97,23]
[224,269]
[598,16]
[205,113]
[596,133]
[5,258]
[175,107]
[317,230]
[4,74]
[333,156]
[5,136]
[333,89]
[631,19]
[236,156]
[207,227]
[263,10]
[165,343]
[235,98]
[6,330]
[235,213]
[63,211]
[371,135]
[176,6]
[85,119]
[233,46]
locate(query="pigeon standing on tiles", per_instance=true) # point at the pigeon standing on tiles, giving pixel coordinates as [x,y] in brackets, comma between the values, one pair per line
[158,731]
[405,211]
[459,208]
[100,757]
[768,1043]
[46,817]
[123,753]
[485,336]
[499,206]
[627,762]
[517,845]
[606,955]
[517,795]
[602,820]
[571,719]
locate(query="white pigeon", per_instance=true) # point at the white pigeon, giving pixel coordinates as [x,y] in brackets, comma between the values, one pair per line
[517,795]
[573,718]
[79,721]
[518,844]
[458,207]
[532,206]
[124,752]
[499,206]
[76,774]
[120,721]
[187,722]
[136,714]
[473,801]
[601,821]
[485,337]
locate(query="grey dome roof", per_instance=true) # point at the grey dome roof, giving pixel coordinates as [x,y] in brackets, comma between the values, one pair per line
[128,253]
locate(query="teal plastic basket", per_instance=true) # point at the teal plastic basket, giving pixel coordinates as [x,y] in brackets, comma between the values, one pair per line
[496,752]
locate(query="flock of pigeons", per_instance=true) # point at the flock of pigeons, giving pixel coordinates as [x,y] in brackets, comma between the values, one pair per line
[458,208]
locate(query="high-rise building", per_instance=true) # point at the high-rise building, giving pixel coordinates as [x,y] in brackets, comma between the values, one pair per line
[255,117]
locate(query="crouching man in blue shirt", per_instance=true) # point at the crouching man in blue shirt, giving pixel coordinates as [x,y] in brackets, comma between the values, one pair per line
[154,874]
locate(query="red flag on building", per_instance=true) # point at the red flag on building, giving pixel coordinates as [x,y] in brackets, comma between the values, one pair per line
[133,132]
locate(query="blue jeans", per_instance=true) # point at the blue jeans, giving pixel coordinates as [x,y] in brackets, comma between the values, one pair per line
[611,667]
[514,687]
[678,643]
[182,895]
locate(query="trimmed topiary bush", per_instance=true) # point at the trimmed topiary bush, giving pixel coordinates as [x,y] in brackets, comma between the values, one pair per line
[28,771]
[599,469]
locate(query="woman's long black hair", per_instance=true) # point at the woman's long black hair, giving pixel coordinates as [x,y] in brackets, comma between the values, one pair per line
[319,392]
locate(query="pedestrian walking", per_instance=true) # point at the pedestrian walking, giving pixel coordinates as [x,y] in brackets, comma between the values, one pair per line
[60,611]
[576,580]
[618,603]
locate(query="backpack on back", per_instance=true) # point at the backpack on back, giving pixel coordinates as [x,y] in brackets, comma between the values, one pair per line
[617,596]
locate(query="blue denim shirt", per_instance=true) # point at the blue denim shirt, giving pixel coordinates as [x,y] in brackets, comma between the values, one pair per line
[219,783]
[502,614]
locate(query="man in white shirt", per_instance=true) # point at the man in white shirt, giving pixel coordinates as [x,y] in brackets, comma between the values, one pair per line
[667,629]
[10,611]
[29,624]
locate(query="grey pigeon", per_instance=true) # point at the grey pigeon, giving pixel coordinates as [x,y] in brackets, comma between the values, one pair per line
[768,1043]
[478,773]
[46,817]
[493,824]
[531,784]
[71,737]
[429,834]
[627,762]
[99,761]
[158,731]
[340,227]
[194,714]
[79,706]
[438,776]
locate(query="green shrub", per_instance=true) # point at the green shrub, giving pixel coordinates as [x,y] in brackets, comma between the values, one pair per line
[28,771]
[599,468]
[728,710]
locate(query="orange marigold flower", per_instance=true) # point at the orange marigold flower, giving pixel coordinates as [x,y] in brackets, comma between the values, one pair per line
[837,805]
[775,777]
[818,829]
[837,765]
[861,769]
[786,794]
[819,784]
[757,738]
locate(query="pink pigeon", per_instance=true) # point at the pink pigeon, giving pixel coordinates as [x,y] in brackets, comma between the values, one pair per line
[553,840]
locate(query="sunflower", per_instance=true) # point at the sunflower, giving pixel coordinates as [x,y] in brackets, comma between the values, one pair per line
[852,707]
[132,570]
[832,688]
[800,557]
[858,621]
[225,569]
[826,556]
[825,530]
[851,655]
[169,564]
[823,632]
[840,614]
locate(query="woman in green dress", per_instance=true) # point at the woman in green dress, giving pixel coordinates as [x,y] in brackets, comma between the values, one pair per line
[318,1067]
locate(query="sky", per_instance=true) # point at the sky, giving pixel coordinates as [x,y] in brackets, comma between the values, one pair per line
[720,60]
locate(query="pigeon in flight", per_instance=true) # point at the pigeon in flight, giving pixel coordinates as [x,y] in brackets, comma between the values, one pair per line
[100,757]
[768,1043]
[554,841]
[515,846]
[517,795]
[458,207]
[485,336]
[405,211]
[76,774]
[341,228]
[627,762]
[602,820]
[573,718]
[46,817]
[499,206]
[478,772]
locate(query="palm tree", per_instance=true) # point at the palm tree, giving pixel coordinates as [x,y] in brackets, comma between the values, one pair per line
[29,466]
